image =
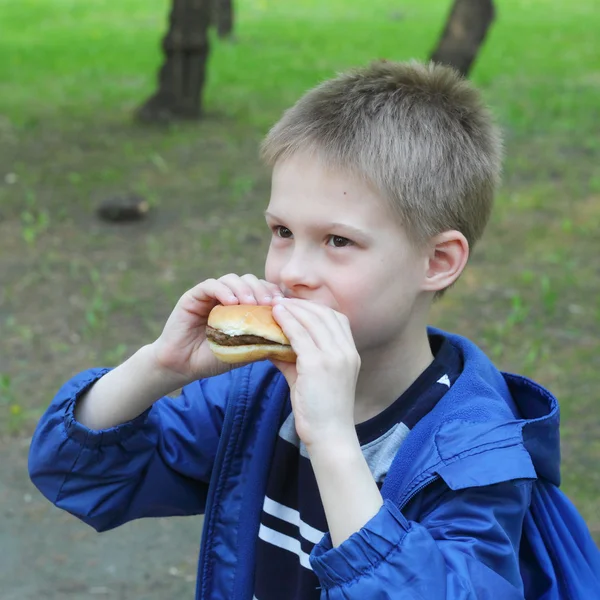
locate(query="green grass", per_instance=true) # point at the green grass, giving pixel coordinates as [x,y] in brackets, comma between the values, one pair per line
[72,59]
[75,292]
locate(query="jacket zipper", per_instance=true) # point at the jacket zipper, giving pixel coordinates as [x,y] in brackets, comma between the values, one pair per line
[216,475]
[421,487]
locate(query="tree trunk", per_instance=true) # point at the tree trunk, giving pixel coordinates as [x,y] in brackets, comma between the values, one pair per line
[181,77]
[465,31]
[224,17]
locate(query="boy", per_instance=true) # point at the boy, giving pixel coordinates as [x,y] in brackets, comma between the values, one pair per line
[391,460]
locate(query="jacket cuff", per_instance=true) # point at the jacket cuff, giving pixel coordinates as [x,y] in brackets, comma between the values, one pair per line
[91,438]
[363,551]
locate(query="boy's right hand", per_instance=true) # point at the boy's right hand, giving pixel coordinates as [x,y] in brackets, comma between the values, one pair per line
[182,348]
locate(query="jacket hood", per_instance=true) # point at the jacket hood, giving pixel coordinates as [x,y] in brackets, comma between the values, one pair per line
[488,427]
[538,409]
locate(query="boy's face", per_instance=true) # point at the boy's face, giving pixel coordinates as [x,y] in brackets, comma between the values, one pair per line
[335,242]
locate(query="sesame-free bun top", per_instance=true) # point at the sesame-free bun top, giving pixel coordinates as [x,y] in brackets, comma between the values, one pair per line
[247,319]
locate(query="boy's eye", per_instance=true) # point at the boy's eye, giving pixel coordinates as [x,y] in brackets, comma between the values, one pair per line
[282,232]
[337,241]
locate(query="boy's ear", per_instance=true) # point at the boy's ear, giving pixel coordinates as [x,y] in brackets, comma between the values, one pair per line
[449,252]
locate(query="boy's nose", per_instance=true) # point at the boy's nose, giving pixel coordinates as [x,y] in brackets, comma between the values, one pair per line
[298,272]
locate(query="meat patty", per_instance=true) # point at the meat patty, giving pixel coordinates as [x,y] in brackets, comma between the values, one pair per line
[214,335]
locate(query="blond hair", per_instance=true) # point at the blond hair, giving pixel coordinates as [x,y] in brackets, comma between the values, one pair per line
[420,134]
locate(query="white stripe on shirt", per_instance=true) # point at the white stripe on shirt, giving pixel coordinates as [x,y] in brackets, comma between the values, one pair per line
[284,541]
[289,515]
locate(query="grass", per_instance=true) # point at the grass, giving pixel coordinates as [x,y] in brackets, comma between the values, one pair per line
[75,292]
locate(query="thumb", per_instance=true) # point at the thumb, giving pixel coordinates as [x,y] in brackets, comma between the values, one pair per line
[288,370]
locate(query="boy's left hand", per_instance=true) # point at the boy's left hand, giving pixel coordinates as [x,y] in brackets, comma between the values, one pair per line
[323,380]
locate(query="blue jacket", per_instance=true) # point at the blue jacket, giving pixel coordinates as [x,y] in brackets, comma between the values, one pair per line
[471,506]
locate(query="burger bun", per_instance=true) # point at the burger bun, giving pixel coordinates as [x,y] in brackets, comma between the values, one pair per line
[252,353]
[239,319]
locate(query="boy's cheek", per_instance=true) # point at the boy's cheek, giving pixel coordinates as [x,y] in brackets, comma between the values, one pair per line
[270,270]
[271,278]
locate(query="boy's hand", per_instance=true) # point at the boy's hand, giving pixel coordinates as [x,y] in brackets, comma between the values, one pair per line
[323,380]
[182,348]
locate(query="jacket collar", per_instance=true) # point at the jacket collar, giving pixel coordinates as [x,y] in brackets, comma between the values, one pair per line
[486,429]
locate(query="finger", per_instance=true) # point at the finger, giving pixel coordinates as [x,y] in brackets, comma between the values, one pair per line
[273,288]
[210,291]
[320,320]
[323,328]
[300,337]
[263,291]
[240,288]
[288,370]
[344,322]
[327,314]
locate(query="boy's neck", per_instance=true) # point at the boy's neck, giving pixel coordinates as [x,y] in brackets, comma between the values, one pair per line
[387,373]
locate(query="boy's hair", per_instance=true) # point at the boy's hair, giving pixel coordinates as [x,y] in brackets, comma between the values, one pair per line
[420,134]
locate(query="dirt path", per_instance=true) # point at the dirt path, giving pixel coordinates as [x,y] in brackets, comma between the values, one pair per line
[48,554]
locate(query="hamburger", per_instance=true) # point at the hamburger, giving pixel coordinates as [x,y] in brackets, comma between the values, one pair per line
[246,333]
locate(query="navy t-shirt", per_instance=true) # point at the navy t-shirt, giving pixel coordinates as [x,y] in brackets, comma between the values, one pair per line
[293,519]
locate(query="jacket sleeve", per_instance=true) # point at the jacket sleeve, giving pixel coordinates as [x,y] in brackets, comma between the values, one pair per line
[158,464]
[465,548]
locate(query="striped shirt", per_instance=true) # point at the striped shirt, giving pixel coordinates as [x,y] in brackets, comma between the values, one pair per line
[293,519]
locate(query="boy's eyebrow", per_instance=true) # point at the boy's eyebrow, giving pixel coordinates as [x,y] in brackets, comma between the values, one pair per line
[355,231]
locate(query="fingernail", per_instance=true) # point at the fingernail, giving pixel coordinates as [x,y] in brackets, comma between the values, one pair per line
[268,298]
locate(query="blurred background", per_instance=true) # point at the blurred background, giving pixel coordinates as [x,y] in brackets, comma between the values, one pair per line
[115,198]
